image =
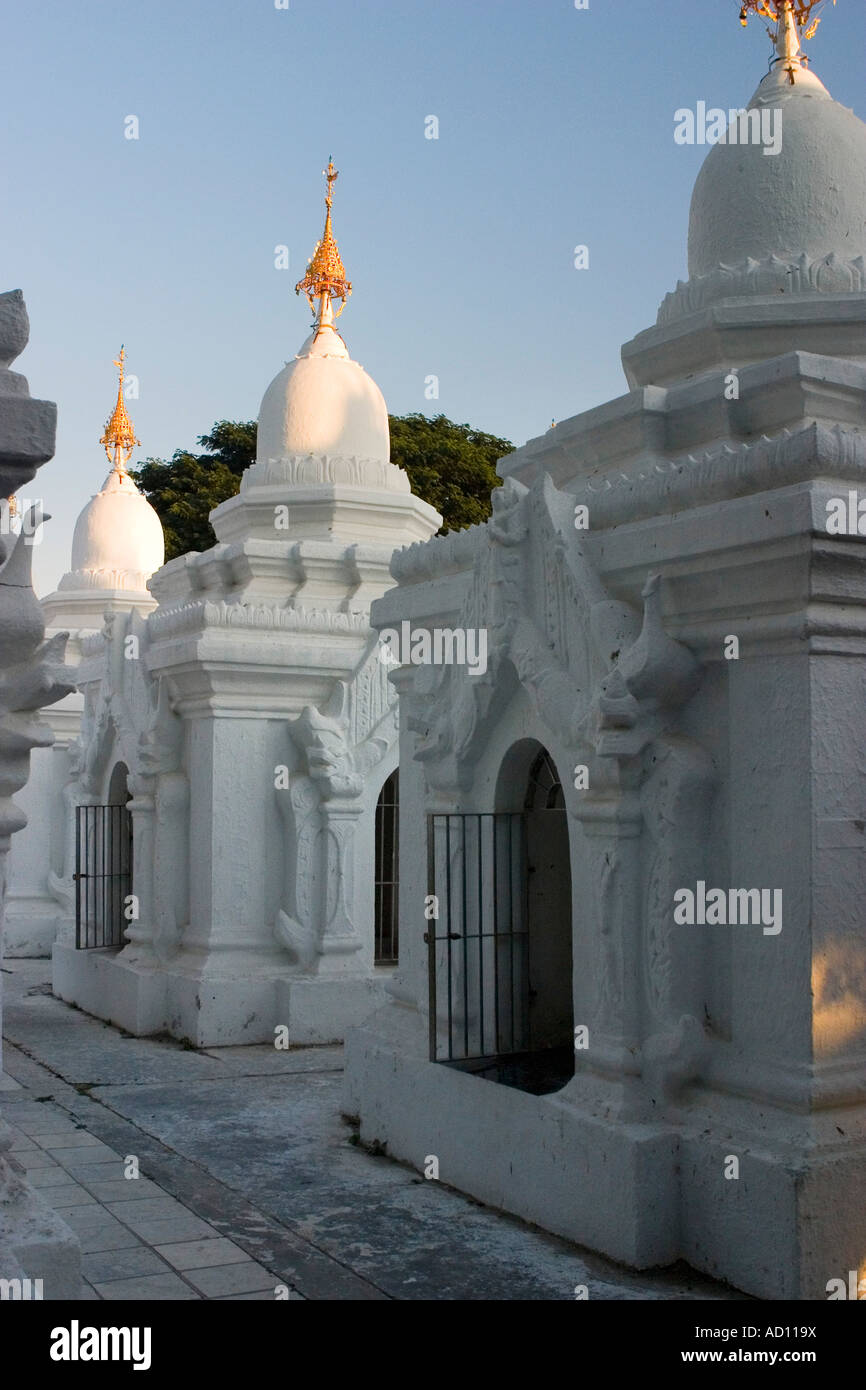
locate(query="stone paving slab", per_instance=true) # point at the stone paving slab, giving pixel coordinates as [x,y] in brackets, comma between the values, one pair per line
[221,1280]
[48,1177]
[32,1159]
[163,1208]
[262,1297]
[70,1138]
[96,1175]
[73,1160]
[104,1266]
[150,1288]
[199,1254]
[85,1160]
[111,1190]
[68,1194]
[18,1139]
[33,1120]
[97,1230]
[187,1227]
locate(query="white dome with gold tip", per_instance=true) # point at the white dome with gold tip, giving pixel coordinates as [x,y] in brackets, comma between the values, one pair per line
[809,199]
[323,470]
[323,419]
[323,403]
[118,541]
[779,208]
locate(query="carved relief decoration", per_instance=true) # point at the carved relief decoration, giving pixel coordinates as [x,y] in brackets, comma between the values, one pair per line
[336,750]
[609,684]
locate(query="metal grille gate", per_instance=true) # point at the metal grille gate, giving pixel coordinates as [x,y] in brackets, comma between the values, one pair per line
[103,874]
[478,947]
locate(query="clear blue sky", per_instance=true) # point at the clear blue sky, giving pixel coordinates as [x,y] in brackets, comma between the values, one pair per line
[556,128]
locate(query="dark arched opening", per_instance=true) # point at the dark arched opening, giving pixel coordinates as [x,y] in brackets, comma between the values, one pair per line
[103,869]
[548,868]
[118,786]
[500,949]
[387,862]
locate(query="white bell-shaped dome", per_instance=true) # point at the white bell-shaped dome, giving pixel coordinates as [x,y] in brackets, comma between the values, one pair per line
[118,541]
[808,200]
[323,470]
[323,404]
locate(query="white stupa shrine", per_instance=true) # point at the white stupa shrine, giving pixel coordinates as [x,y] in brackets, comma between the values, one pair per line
[116,546]
[631,997]
[117,543]
[250,721]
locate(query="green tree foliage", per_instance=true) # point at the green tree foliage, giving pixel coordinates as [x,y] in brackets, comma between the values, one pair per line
[450,466]
[187,487]
[453,467]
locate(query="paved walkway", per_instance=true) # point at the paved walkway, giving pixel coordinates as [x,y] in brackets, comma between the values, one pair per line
[136,1239]
[251,1185]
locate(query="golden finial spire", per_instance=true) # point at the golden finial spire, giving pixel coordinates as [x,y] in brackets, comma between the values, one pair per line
[795,24]
[119,438]
[326,276]
[13,505]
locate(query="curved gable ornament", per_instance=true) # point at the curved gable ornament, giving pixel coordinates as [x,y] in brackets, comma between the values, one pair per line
[130,714]
[532,583]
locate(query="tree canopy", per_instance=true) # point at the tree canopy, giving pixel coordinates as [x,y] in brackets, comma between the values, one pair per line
[450,466]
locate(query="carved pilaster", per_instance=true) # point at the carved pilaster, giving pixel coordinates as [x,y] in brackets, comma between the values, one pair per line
[336,749]
[140,931]
[613,824]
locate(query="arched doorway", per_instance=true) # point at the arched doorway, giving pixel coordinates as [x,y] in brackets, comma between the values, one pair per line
[103,867]
[499,951]
[118,786]
[387,869]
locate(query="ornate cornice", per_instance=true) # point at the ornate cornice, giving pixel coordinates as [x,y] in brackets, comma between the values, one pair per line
[192,617]
[312,470]
[660,485]
[771,276]
[440,555]
[80,580]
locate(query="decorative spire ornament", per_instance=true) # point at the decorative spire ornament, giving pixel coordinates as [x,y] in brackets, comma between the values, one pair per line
[119,438]
[795,22]
[325,279]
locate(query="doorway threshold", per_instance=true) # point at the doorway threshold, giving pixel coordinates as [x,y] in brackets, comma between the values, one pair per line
[537,1073]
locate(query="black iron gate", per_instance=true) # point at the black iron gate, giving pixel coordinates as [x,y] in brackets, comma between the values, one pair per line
[103,874]
[478,945]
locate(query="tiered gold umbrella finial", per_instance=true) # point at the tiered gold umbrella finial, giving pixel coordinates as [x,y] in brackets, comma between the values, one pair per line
[119,439]
[325,279]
